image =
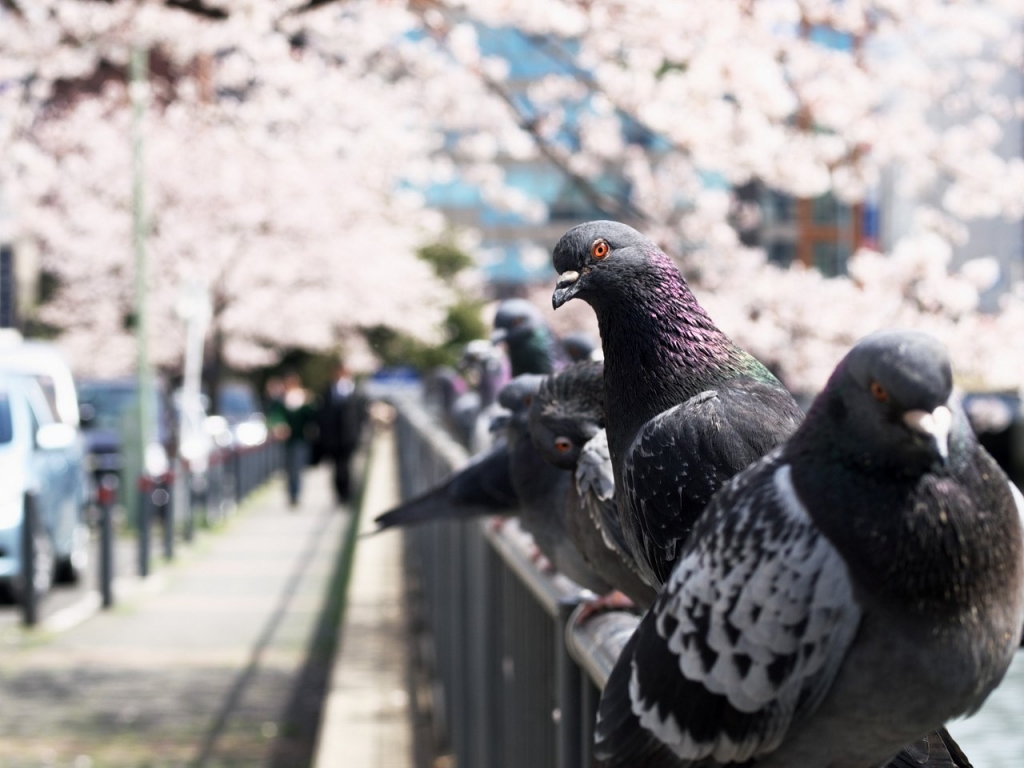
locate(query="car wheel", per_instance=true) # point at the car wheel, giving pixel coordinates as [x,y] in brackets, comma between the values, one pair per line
[71,569]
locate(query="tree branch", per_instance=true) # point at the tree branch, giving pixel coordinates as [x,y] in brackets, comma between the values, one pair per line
[311,5]
[608,206]
[198,8]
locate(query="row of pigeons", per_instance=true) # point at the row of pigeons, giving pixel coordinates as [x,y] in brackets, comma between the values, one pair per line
[817,590]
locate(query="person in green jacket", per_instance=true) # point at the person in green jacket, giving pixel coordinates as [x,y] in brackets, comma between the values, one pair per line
[292,418]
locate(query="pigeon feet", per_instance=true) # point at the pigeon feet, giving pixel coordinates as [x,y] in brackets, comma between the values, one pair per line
[613,601]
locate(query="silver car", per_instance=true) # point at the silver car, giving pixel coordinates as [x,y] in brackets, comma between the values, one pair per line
[42,463]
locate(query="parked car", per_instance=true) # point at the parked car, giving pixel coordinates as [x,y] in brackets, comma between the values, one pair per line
[109,413]
[35,470]
[238,405]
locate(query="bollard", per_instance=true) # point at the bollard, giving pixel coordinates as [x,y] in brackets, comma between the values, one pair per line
[163,501]
[189,487]
[236,470]
[106,495]
[29,593]
[144,523]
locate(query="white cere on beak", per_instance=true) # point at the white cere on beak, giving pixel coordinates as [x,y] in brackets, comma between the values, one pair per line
[568,277]
[935,424]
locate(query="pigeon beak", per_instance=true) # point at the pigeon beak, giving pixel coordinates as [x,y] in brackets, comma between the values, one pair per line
[498,335]
[500,421]
[934,424]
[567,287]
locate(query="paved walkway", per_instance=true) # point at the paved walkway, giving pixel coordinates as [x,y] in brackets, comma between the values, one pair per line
[223,661]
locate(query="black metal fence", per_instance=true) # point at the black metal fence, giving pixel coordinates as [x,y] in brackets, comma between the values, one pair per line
[516,679]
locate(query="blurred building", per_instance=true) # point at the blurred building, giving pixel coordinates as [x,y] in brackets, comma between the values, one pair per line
[822,232]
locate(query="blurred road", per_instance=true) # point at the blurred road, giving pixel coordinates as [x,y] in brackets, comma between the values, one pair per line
[219,659]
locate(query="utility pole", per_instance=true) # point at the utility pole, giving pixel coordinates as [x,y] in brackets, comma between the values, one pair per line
[140,231]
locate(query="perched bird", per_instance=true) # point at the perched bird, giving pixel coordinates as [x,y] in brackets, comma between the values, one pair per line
[567,429]
[532,345]
[841,598]
[543,489]
[484,365]
[442,388]
[581,347]
[482,487]
[687,408]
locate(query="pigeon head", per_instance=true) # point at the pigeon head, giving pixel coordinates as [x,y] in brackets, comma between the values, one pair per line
[582,347]
[567,411]
[514,320]
[517,397]
[892,392]
[594,256]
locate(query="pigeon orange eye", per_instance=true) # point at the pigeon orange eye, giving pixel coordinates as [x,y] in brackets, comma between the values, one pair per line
[599,249]
[878,392]
[563,444]
[528,401]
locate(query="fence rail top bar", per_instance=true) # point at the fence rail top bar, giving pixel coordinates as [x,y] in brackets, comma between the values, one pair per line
[515,547]
[596,645]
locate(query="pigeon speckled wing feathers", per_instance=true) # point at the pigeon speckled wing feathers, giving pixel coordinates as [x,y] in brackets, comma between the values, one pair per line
[682,456]
[756,619]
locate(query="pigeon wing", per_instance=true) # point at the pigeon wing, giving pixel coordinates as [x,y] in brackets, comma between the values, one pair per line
[595,485]
[682,456]
[746,637]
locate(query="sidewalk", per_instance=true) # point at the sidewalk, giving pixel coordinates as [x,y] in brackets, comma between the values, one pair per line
[224,661]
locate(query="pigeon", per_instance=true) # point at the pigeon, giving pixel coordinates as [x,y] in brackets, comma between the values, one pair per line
[485,366]
[482,487]
[543,489]
[566,426]
[687,408]
[581,347]
[532,345]
[442,388]
[839,599]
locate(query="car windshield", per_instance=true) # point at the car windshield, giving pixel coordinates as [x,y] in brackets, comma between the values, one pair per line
[235,401]
[105,405]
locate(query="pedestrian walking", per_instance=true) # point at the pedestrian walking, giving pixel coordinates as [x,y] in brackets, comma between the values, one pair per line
[292,419]
[343,412]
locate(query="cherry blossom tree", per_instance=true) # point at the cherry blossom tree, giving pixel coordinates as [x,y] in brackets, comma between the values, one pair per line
[279,160]
[285,140]
[807,97]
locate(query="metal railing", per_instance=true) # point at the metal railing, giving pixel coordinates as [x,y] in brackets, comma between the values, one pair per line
[515,679]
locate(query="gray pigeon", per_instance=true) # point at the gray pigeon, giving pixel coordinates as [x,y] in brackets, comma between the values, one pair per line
[841,598]
[484,365]
[542,488]
[532,345]
[686,408]
[566,426]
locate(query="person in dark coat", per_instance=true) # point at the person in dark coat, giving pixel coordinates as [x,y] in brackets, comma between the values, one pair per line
[292,419]
[343,412]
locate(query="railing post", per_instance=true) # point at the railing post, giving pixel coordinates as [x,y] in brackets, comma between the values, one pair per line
[590,698]
[570,719]
[29,593]
[106,495]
